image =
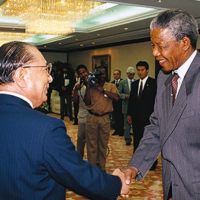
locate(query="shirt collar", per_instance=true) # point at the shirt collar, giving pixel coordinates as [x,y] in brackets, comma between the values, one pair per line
[19,96]
[182,70]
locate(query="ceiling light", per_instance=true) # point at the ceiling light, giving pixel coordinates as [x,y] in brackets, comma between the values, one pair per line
[93,42]
[12,36]
[159,1]
[50,17]
[81,45]
[125,29]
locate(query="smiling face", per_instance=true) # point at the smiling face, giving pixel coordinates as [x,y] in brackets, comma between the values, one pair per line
[83,74]
[169,53]
[37,79]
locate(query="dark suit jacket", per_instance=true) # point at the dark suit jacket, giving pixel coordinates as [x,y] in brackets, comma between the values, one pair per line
[174,131]
[69,87]
[39,161]
[140,111]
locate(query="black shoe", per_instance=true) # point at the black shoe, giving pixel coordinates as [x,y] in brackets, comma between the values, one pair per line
[131,133]
[75,123]
[62,117]
[128,143]
[115,133]
[71,119]
[121,134]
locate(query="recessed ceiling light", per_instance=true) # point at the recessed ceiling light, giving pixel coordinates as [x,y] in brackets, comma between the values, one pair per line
[76,39]
[98,34]
[60,43]
[45,46]
[125,29]
[93,42]
[81,45]
[159,1]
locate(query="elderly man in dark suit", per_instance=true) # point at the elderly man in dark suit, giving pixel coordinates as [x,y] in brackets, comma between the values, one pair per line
[38,159]
[174,129]
[117,114]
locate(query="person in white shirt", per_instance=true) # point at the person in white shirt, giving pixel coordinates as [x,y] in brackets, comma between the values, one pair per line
[78,96]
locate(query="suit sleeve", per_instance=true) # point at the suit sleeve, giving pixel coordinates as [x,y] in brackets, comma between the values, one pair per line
[67,167]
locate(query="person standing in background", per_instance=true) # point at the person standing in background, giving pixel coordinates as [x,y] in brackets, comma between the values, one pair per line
[141,103]
[117,115]
[65,93]
[98,100]
[124,94]
[78,96]
[76,104]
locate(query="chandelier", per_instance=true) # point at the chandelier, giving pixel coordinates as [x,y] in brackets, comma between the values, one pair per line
[50,17]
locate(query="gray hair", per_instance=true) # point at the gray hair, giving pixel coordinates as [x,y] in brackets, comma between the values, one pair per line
[179,22]
[130,70]
[12,56]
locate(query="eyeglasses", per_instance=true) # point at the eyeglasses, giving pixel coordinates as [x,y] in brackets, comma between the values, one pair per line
[48,67]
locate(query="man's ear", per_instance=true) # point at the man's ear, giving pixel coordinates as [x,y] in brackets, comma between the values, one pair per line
[20,77]
[186,43]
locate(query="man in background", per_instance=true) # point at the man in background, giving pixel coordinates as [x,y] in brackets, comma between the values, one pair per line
[38,159]
[141,103]
[65,93]
[124,91]
[99,105]
[78,96]
[76,104]
[117,115]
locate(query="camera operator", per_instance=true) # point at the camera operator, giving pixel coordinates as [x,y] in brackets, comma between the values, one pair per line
[98,99]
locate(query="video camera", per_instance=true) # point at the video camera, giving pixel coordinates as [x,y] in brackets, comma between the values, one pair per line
[93,78]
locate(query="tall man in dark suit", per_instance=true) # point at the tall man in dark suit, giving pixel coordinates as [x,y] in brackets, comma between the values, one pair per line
[174,129]
[117,106]
[38,159]
[141,103]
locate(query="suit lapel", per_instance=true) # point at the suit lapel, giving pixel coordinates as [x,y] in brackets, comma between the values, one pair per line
[180,104]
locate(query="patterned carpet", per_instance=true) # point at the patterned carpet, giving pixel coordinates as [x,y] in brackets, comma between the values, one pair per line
[119,156]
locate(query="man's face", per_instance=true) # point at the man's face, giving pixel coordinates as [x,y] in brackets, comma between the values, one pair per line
[83,74]
[37,79]
[116,75]
[166,50]
[130,75]
[142,72]
[103,75]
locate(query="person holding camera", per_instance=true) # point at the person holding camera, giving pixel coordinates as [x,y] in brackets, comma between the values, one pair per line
[98,99]
[78,96]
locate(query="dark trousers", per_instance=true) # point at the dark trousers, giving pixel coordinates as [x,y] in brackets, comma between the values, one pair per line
[76,108]
[138,130]
[67,111]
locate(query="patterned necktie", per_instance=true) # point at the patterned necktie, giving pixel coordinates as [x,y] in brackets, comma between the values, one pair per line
[140,92]
[174,86]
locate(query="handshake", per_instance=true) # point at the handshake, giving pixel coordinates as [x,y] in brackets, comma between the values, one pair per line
[126,177]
